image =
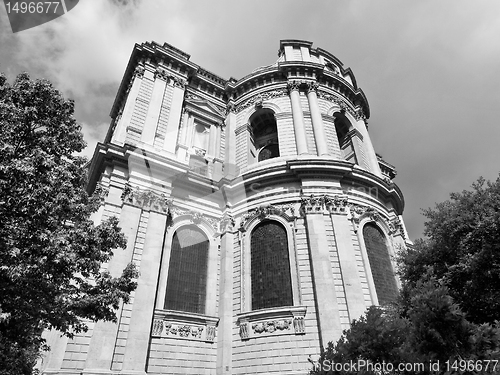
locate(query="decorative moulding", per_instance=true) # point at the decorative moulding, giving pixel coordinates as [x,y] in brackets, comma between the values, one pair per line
[316,204]
[184,326]
[287,211]
[259,98]
[276,321]
[146,199]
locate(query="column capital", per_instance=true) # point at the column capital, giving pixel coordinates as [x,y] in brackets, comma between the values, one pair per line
[178,82]
[139,71]
[312,86]
[293,86]
[161,74]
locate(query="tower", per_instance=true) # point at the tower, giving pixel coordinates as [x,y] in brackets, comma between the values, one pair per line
[257,211]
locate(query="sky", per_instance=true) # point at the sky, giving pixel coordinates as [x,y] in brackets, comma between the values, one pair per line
[430,69]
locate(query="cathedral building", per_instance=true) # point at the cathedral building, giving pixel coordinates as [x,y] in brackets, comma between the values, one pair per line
[259,216]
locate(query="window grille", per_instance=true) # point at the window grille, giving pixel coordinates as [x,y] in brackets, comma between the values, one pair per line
[270,267]
[380,264]
[187,271]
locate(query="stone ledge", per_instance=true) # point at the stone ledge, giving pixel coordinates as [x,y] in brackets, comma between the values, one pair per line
[184,325]
[275,321]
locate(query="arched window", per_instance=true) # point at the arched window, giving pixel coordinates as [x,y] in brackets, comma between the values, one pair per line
[270,266]
[269,152]
[343,127]
[187,271]
[380,264]
[264,135]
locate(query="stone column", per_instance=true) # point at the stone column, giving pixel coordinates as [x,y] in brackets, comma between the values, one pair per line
[324,284]
[370,151]
[317,121]
[154,108]
[212,141]
[218,140]
[141,320]
[174,116]
[230,168]
[356,305]
[120,132]
[224,334]
[182,150]
[298,118]
[217,173]
[102,344]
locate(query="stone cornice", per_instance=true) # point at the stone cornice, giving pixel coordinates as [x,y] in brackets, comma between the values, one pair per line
[146,199]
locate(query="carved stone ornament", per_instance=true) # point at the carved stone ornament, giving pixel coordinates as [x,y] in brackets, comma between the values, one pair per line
[340,102]
[183,330]
[272,326]
[396,227]
[199,151]
[211,329]
[293,85]
[226,223]
[312,204]
[196,332]
[139,71]
[230,108]
[244,330]
[318,203]
[299,325]
[157,328]
[359,114]
[178,82]
[260,98]
[359,213]
[312,86]
[191,96]
[266,210]
[161,74]
[195,217]
[336,204]
[146,199]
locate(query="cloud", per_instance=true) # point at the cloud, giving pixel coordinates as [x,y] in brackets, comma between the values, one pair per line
[85,52]
[429,69]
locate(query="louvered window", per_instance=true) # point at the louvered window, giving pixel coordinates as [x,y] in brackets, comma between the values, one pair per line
[270,266]
[380,264]
[187,271]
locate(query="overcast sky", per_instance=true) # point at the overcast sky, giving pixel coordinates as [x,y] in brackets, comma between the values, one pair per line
[430,69]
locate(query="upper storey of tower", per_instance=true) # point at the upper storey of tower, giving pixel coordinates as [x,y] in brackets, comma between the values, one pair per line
[304,109]
[297,59]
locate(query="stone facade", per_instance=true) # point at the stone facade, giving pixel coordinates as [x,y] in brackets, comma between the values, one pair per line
[286,144]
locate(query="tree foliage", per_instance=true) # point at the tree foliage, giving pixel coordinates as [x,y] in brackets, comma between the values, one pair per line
[449,302]
[51,251]
[462,250]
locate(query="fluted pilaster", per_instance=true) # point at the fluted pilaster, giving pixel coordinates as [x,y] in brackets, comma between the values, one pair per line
[317,121]
[298,118]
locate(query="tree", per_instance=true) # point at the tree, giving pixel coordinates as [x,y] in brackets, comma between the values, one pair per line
[406,338]
[462,250]
[450,297]
[51,251]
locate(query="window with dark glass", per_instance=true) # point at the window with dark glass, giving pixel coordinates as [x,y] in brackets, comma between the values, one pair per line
[269,152]
[187,271]
[380,264]
[342,128]
[270,266]
[264,132]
